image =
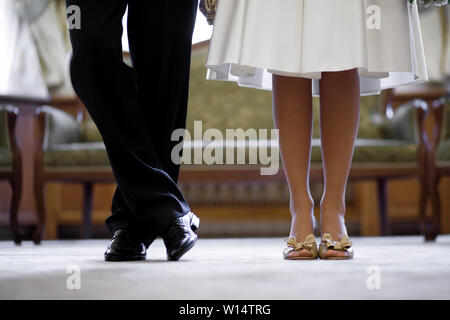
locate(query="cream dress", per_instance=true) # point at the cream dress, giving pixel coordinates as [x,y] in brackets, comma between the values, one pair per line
[254,39]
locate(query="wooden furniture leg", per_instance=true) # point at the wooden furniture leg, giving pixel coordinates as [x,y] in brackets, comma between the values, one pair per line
[16,178]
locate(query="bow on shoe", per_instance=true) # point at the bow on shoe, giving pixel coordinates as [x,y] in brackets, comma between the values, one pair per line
[308,244]
[344,244]
[208,8]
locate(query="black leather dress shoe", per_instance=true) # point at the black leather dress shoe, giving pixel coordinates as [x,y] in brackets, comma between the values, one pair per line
[180,237]
[123,248]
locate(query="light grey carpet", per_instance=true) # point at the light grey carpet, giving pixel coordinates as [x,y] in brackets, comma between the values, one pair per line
[228,269]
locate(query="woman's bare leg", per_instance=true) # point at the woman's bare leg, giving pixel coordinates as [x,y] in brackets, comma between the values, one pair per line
[292,108]
[339,120]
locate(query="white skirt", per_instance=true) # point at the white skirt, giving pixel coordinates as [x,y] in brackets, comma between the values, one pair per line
[254,39]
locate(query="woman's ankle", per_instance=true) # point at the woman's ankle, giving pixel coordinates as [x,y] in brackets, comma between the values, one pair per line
[302,208]
[303,221]
[332,219]
[302,225]
[333,224]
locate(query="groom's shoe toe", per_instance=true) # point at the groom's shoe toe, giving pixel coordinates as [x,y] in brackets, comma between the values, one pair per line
[180,237]
[123,248]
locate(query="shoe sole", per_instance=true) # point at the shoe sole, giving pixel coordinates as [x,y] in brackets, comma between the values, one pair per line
[337,258]
[349,257]
[312,257]
[117,258]
[300,258]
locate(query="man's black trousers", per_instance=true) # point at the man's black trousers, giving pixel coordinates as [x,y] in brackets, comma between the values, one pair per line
[137,109]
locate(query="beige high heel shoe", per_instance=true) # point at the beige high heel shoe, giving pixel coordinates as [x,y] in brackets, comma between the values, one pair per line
[309,244]
[327,244]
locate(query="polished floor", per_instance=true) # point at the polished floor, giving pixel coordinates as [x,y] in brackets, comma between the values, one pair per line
[383,268]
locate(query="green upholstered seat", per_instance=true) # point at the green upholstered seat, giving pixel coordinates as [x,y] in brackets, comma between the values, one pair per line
[82,154]
[376,150]
[366,151]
